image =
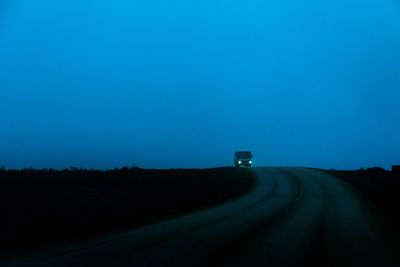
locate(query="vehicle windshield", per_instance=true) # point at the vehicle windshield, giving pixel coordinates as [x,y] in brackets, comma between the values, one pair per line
[244,155]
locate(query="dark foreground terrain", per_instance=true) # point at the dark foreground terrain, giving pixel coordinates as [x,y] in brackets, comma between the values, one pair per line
[379,185]
[291,217]
[45,208]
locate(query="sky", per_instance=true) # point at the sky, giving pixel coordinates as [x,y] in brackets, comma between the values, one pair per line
[183,84]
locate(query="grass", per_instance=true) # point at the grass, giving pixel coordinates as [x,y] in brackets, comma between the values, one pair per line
[379,185]
[47,208]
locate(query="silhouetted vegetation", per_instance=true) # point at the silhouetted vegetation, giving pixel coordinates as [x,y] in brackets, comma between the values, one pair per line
[42,208]
[378,184]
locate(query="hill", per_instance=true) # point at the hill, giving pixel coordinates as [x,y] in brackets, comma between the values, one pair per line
[46,208]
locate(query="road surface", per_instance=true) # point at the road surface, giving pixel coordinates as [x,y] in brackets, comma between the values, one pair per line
[292,217]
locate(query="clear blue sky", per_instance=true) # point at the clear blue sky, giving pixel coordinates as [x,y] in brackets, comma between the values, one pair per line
[168,84]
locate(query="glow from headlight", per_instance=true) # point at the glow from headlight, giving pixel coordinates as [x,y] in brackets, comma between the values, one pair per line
[250,162]
[240,162]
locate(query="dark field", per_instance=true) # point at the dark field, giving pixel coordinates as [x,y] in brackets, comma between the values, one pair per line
[381,186]
[45,208]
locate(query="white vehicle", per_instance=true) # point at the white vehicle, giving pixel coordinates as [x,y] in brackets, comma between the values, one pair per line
[243,158]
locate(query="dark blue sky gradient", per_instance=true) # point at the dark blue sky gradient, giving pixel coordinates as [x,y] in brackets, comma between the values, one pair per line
[169,84]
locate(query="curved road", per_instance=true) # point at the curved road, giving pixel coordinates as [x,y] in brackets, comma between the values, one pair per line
[293,217]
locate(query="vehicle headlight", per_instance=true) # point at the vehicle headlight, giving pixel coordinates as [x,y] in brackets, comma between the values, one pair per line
[239,161]
[250,162]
